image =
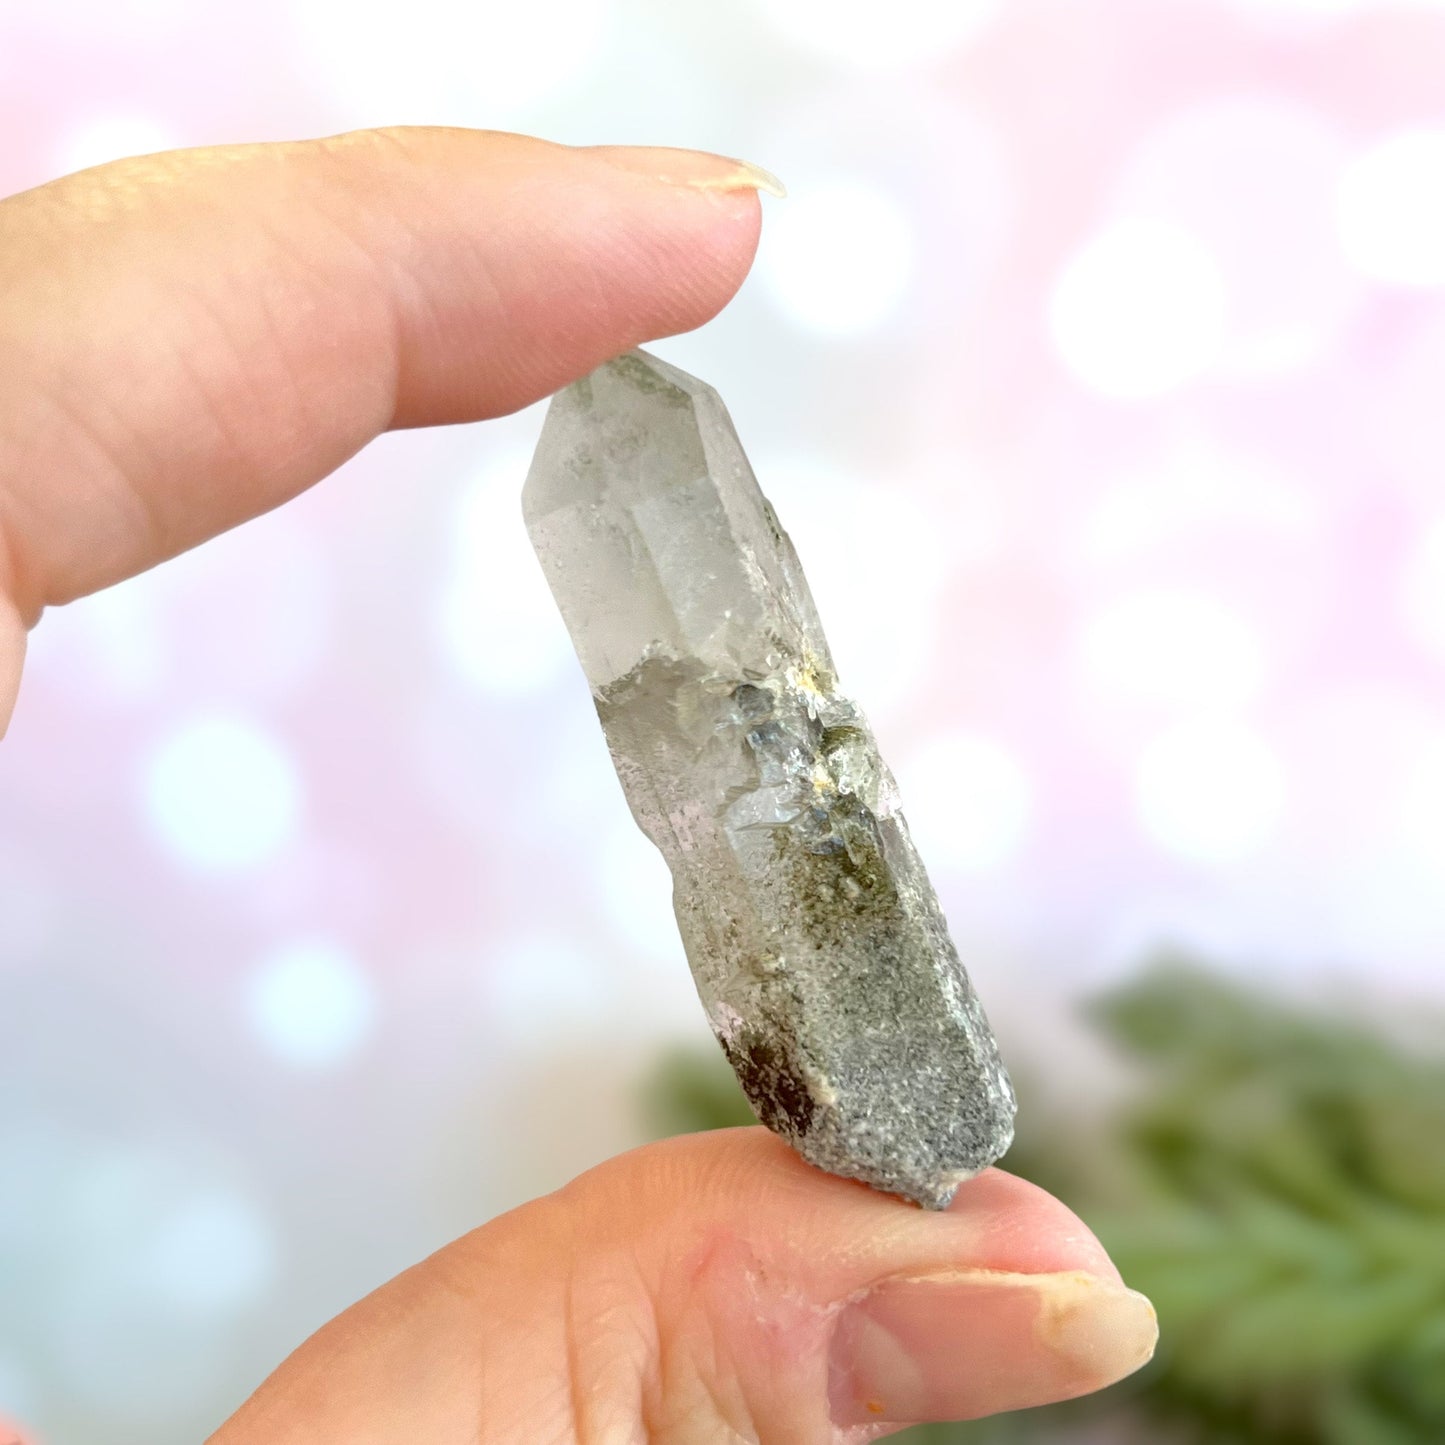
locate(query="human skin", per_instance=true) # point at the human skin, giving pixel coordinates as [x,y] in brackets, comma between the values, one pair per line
[192,339]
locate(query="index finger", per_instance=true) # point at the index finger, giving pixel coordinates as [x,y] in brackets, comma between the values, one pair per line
[193,338]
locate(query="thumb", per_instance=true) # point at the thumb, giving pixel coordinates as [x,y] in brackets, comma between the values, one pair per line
[717,1288]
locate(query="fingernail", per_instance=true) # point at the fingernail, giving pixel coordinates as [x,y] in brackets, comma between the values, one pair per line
[956,1347]
[745,176]
[697,170]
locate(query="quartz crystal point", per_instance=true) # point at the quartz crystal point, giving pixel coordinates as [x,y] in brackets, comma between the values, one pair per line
[815,939]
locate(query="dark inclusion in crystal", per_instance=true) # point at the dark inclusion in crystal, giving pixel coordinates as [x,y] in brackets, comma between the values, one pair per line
[817,944]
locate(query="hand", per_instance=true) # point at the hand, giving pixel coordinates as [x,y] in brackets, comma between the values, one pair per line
[192,339]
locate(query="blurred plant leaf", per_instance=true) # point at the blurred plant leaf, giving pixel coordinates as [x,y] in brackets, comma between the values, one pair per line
[1276,1183]
[690,1090]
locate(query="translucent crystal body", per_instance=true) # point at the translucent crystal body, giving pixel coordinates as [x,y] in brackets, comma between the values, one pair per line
[815,939]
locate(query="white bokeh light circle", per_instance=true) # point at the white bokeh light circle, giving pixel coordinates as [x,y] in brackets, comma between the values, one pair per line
[838,258]
[311,1005]
[1170,646]
[1422,589]
[212,1251]
[859,34]
[447,62]
[1253,177]
[162,1254]
[1391,209]
[111,138]
[1139,310]
[936,146]
[222,793]
[1210,792]
[496,622]
[969,801]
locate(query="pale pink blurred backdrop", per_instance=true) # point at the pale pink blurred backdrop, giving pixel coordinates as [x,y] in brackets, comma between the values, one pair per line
[1095,364]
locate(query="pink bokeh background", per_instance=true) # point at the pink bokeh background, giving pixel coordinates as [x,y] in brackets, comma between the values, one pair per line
[1094,363]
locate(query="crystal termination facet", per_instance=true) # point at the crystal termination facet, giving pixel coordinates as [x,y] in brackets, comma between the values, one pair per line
[816,941]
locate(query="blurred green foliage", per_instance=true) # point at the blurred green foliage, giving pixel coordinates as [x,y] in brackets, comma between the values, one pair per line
[1275,1181]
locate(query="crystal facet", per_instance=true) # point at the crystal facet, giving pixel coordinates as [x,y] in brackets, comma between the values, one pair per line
[817,944]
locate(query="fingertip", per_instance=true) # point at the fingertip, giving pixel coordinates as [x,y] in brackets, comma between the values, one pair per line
[695,222]
[595,250]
